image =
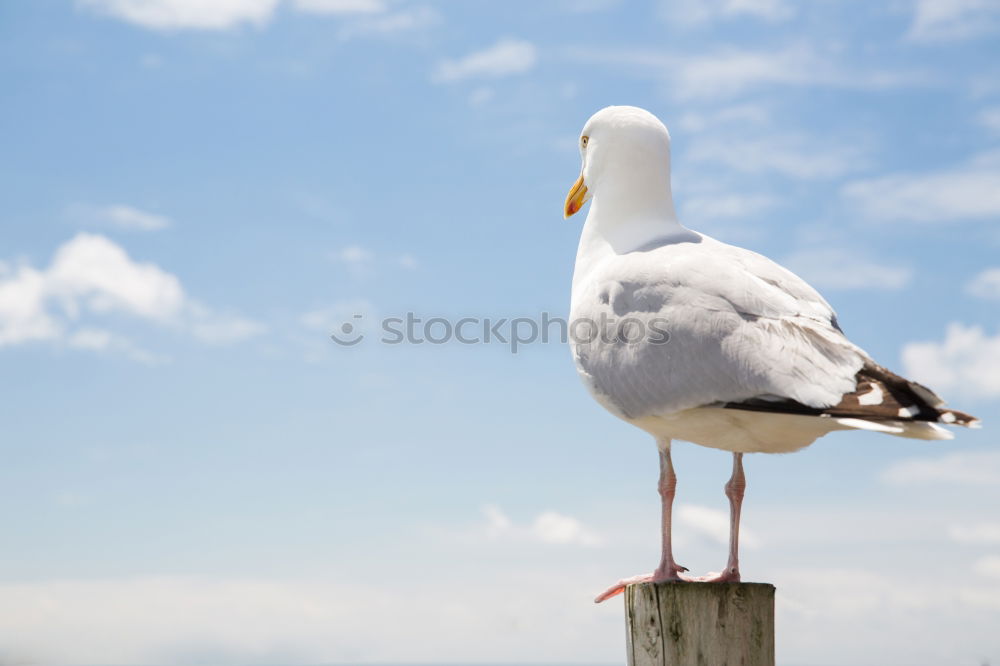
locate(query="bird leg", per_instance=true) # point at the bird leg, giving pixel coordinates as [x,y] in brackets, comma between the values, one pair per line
[734,491]
[668,569]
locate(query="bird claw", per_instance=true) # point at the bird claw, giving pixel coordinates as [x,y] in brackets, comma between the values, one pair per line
[656,577]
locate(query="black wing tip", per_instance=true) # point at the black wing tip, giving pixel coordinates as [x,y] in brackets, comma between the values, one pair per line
[880,396]
[957,418]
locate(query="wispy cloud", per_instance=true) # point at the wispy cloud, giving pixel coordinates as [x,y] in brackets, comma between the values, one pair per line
[91,276]
[966,362]
[362,262]
[339,6]
[966,192]
[952,20]
[791,155]
[218,14]
[119,216]
[988,566]
[711,524]
[977,533]
[358,260]
[986,285]
[354,255]
[506,57]
[181,14]
[692,12]
[548,527]
[726,206]
[104,341]
[841,268]
[219,327]
[740,115]
[730,72]
[969,468]
[392,24]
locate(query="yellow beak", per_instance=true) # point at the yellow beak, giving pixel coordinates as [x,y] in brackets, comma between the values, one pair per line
[576,198]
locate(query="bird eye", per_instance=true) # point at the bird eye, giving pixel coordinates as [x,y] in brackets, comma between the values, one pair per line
[583,141]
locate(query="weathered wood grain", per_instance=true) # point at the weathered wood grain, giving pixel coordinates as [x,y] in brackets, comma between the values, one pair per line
[700,624]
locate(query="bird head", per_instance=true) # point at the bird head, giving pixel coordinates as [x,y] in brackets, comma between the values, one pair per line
[624,151]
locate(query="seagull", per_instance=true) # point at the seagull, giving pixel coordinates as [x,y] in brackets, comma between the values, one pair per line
[689,338]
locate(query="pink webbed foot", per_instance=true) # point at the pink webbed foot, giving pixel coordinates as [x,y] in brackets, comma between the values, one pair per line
[674,575]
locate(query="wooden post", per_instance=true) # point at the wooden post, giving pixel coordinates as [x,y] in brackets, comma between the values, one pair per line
[700,624]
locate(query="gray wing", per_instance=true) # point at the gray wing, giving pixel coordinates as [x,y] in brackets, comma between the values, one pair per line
[740,327]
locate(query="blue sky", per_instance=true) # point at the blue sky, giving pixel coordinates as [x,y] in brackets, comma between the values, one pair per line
[196,194]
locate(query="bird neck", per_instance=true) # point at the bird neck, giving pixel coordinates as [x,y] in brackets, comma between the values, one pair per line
[628,222]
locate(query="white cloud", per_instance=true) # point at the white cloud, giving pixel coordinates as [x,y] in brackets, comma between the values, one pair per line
[547,527]
[966,362]
[726,206]
[408,261]
[985,285]
[23,315]
[180,14]
[791,155]
[227,14]
[552,527]
[978,533]
[128,217]
[967,192]
[94,269]
[964,468]
[123,216]
[690,12]
[837,268]
[711,524]
[988,566]
[729,72]
[506,57]
[90,276]
[339,6]
[945,20]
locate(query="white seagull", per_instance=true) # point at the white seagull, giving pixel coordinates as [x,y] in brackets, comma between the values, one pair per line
[690,338]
